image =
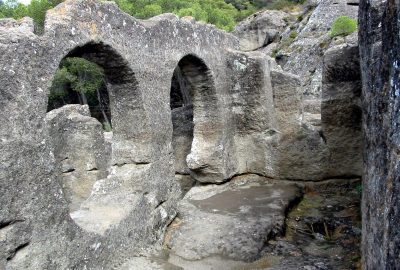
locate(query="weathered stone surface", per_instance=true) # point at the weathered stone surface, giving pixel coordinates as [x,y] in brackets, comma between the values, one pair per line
[240,114]
[332,149]
[277,141]
[233,220]
[186,182]
[379,51]
[253,113]
[144,263]
[341,110]
[307,50]
[182,120]
[322,232]
[287,99]
[128,210]
[77,143]
[303,148]
[260,29]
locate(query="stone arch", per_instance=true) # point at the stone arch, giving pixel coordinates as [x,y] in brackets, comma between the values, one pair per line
[99,152]
[196,119]
[121,81]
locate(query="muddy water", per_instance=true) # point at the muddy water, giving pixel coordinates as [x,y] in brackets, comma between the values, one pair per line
[255,200]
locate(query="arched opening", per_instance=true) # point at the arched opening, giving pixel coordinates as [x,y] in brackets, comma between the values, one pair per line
[80,81]
[192,97]
[96,88]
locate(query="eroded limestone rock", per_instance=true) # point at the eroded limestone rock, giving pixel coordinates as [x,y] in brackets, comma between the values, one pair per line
[246,119]
[77,143]
[306,51]
[260,29]
[127,210]
[233,220]
[341,110]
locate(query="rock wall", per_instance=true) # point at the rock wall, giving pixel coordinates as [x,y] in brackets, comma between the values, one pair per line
[314,79]
[79,149]
[380,50]
[341,110]
[298,40]
[128,210]
[240,113]
[305,54]
[260,29]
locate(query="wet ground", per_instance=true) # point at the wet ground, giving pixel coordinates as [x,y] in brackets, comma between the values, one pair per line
[323,231]
[245,225]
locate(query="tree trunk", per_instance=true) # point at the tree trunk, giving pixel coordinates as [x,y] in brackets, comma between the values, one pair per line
[102,108]
[83,98]
[184,87]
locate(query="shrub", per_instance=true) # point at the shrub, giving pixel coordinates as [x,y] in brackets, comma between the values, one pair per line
[300,18]
[151,10]
[274,53]
[343,26]
[293,34]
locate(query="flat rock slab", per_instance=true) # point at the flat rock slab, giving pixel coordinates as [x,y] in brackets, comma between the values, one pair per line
[233,220]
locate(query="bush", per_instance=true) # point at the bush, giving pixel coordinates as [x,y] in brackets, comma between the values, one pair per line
[293,34]
[151,10]
[343,26]
[216,12]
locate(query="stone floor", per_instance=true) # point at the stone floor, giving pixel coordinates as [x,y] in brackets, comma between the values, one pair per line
[256,223]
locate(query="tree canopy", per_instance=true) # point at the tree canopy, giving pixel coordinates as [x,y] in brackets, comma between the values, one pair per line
[222,13]
[79,81]
[36,10]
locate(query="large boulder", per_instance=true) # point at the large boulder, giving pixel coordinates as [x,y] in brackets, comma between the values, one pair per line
[233,220]
[260,29]
[77,143]
[253,113]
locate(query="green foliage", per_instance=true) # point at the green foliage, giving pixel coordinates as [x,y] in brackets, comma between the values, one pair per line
[218,12]
[293,34]
[343,26]
[79,81]
[36,10]
[12,9]
[300,18]
[359,189]
[107,126]
[151,10]
[59,87]
[222,13]
[76,74]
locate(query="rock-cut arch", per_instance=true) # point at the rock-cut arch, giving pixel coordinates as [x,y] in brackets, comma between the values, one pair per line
[196,120]
[77,139]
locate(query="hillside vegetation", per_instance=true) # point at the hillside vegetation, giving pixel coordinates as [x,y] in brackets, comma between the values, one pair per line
[222,13]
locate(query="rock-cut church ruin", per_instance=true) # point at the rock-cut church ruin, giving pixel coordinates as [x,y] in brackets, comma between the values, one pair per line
[212,141]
